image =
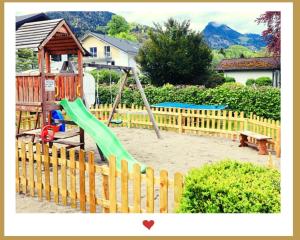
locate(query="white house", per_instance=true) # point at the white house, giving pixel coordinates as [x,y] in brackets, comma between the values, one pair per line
[243,69]
[110,50]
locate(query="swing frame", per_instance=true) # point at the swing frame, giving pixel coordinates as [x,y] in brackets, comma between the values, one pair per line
[128,72]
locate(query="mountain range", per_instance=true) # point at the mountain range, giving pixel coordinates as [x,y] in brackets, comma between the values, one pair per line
[216,35]
[220,36]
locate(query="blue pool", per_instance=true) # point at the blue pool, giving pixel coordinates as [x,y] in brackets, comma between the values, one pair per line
[189,106]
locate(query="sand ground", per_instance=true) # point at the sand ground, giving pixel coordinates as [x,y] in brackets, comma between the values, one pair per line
[174,152]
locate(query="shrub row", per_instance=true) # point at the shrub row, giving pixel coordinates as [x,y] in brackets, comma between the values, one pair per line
[231,187]
[262,101]
[261,81]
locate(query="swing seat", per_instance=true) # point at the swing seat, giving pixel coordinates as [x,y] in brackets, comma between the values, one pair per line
[117,121]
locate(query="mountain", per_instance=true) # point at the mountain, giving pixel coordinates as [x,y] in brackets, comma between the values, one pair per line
[81,22]
[220,36]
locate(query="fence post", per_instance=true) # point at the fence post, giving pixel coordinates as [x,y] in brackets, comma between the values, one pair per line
[63,176]
[17,169]
[150,190]
[179,121]
[55,174]
[278,143]
[136,188]
[112,185]
[39,171]
[73,178]
[92,182]
[105,191]
[163,192]
[24,173]
[47,172]
[82,180]
[31,169]
[178,187]
[124,186]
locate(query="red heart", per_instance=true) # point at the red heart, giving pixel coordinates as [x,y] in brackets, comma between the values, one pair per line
[148,224]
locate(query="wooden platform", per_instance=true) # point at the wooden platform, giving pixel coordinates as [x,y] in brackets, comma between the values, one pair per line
[58,135]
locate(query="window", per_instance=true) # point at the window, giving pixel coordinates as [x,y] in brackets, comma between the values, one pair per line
[107,51]
[93,51]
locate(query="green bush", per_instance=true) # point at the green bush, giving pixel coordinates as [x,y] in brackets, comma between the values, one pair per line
[229,79]
[214,79]
[250,82]
[103,76]
[231,187]
[263,81]
[263,101]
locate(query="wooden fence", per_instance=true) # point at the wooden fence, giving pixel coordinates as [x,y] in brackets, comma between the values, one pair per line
[199,122]
[73,178]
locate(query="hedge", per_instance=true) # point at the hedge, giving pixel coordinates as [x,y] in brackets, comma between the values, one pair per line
[231,187]
[263,101]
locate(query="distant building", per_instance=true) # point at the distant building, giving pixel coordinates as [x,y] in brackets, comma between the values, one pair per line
[109,50]
[20,20]
[243,69]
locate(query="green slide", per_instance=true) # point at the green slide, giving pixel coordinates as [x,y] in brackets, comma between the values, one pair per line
[103,136]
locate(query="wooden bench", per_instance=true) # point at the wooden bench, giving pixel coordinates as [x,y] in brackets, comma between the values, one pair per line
[262,141]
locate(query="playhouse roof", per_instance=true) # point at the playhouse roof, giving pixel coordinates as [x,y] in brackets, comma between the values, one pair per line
[259,63]
[54,35]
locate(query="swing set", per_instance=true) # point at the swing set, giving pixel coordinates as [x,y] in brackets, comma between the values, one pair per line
[128,71]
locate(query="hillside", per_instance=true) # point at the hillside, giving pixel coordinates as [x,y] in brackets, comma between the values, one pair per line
[81,22]
[221,36]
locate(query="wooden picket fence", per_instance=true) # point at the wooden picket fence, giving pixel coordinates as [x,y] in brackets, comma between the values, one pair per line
[221,123]
[200,122]
[73,178]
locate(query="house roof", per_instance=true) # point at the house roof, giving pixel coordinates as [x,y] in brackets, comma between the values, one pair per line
[124,45]
[260,63]
[20,20]
[54,35]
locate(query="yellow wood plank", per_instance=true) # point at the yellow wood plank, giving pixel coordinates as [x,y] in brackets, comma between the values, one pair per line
[178,188]
[150,190]
[163,192]
[136,188]
[55,174]
[39,171]
[73,178]
[112,185]
[63,175]
[31,169]
[105,192]
[47,172]
[92,182]
[82,180]
[124,186]
[17,169]
[24,170]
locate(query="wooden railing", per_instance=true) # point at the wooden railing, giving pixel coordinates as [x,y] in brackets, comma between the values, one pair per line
[90,187]
[28,87]
[200,122]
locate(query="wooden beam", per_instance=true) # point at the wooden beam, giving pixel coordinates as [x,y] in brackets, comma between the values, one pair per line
[118,98]
[63,52]
[43,91]
[48,62]
[140,87]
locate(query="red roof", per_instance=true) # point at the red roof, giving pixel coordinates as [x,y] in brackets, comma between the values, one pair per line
[262,63]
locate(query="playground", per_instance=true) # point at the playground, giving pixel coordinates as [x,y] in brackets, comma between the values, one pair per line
[116,158]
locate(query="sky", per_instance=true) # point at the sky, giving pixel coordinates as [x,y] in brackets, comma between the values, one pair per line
[240,19]
[243,22]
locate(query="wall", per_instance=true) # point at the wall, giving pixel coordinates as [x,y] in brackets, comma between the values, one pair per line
[243,76]
[120,57]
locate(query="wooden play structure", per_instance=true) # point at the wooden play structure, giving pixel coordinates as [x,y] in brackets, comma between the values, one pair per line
[41,92]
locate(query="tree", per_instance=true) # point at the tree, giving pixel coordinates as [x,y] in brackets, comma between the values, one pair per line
[127,36]
[117,24]
[221,51]
[273,31]
[26,59]
[174,54]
